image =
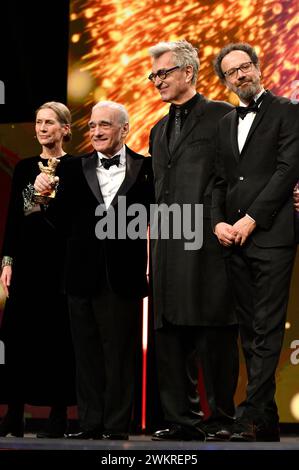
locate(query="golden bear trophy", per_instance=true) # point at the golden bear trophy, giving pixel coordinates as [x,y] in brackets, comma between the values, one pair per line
[45,198]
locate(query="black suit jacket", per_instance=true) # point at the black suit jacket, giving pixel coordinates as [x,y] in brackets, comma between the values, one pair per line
[90,262]
[260,180]
[190,287]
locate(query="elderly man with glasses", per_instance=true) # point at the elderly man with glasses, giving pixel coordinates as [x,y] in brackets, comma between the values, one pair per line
[194,314]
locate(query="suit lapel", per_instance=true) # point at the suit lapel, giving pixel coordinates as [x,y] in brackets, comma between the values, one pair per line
[163,138]
[133,166]
[234,135]
[89,165]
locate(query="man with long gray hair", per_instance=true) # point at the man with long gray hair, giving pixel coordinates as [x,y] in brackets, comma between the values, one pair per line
[194,313]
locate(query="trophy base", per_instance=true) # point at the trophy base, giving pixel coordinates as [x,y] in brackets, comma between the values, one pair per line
[39,198]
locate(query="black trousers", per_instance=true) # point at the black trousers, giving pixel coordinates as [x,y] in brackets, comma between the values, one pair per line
[261,278]
[181,350]
[104,329]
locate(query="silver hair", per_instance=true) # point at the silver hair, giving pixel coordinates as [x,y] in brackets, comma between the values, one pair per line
[123,113]
[183,53]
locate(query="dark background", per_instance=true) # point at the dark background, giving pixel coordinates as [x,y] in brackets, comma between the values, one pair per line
[33,56]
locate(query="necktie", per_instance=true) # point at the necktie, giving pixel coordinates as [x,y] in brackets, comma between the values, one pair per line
[253,107]
[176,128]
[108,162]
[177,123]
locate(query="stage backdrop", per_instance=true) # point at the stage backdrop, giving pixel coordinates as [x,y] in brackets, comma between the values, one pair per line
[109,40]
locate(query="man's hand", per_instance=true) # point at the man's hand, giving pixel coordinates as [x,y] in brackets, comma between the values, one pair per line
[6,279]
[225,233]
[43,183]
[296,197]
[243,227]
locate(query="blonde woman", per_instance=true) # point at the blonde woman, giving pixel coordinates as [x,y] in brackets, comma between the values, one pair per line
[39,367]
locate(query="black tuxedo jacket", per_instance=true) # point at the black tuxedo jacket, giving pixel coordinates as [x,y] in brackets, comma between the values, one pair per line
[90,262]
[260,180]
[190,287]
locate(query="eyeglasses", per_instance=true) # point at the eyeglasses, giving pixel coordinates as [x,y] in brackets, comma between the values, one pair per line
[162,73]
[232,73]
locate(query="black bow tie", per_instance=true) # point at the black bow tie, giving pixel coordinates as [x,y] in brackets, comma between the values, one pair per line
[108,162]
[243,110]
[253,107]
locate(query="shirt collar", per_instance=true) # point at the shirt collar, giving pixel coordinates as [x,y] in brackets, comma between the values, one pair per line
[185,107]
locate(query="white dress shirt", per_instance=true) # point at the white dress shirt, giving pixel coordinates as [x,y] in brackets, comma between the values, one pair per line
[111,179]
[246,123]
[244,126]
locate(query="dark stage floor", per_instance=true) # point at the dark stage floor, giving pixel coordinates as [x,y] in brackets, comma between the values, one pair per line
[143,442]
[141,450]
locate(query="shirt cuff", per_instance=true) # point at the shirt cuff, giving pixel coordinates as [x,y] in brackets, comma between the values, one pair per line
[247,215]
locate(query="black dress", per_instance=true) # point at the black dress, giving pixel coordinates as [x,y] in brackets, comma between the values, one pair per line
[39,364]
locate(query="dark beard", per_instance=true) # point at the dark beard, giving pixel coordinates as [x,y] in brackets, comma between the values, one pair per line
[246,94]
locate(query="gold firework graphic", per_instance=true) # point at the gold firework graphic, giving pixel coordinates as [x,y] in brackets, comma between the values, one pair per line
[110,38]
